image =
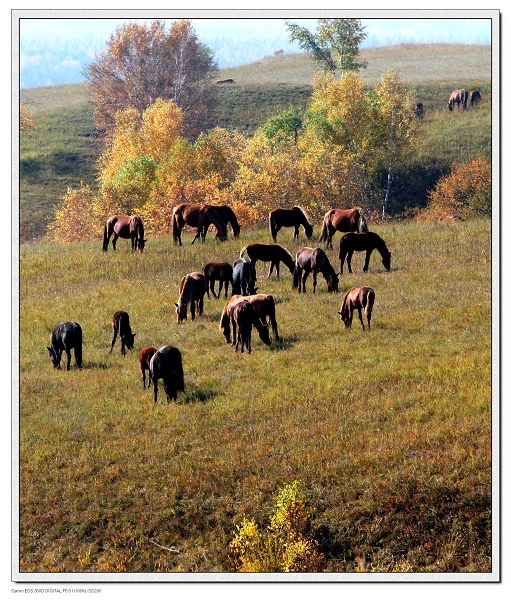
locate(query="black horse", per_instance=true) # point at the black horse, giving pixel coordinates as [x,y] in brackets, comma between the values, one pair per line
[289,217]
[166,363]
[66,336]
[358,242]
[221,272]
[243,277]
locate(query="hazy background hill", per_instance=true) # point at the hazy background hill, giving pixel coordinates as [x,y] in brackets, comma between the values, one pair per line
[63,149]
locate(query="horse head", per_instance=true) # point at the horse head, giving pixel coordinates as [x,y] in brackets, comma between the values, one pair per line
[308,231]
[141,244]
[386,261]
[333,282]
[55,356]
[180,310]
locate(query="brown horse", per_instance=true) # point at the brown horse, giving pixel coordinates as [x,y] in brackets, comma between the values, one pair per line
[272,253]
[166,363]
[418,109]
[121,326]
[475,97]
[200,216]
[221,272]
[191,291]
[241,315]
[122,226]
[449,218]
[339,219]
[229,218]
[358,242]
[360,298]
[458,97]
[289,217]
[316,261]
[264,305]
[144,361]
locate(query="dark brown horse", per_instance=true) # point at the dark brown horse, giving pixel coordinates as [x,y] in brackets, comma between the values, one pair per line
[360,298]
[229,218]
[458,97]
[339,219]
[200,216]
[264,306]
[316,261]
[241,315]
[221,272]
[475,97]
[65,337]
[272,253]
[191,291]
[144,361]
[166,363]
[122,226]
[418,109]
[289,217]
[359,242]
[121,326]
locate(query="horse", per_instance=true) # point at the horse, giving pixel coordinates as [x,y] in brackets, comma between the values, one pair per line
[357,298]
[316,261]
[243,277]
[264,306]
[272,253]
[126,227]
[221,272]
[166,363]
[359,242]
[241,315]
[475,97]
[191,291]
[418,109]
[65,336]
[200,216]
[450,218]
[229,218]
[458,97]
[144,360]
[121,326]
[289,217]
[339,219]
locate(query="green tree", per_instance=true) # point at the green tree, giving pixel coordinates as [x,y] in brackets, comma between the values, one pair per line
[335,45]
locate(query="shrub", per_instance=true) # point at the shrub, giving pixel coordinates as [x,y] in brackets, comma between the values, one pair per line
[77,217]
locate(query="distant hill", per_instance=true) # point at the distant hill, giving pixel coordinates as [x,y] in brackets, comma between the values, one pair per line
[63,149]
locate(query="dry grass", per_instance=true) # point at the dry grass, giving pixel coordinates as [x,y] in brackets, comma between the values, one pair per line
[388,431]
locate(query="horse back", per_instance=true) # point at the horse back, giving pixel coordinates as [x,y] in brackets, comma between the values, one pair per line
[66,335]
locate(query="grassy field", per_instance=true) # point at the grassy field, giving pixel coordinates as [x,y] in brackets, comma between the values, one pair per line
[389,431]
[63,149]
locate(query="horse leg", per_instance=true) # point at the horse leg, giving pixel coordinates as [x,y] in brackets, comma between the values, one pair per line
[68,352]
[220,286]
[304,279]
[113,340]
[226,286]
[368,315]
[366,264]
[192,309]
[360,317]
[123,346]
[200,306]
[114,240]
[143,377]
[155,386]
[348,260]
[271,269]
[295,235]
[314,281]
[197,235]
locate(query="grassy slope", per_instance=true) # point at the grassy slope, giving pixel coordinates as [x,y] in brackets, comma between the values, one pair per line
[389,431]
[62,152]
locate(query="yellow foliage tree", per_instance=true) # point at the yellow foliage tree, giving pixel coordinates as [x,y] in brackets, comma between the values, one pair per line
[78,217]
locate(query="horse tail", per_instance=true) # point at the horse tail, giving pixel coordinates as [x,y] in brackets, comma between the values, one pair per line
[362,223]
[105,238]
[324,232]
[370,302]
[175,227]
[271,221]
[78,348]
[296,277]
[243,250]
[179,378]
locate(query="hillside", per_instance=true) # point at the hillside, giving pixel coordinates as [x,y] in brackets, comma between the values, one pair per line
[63,149]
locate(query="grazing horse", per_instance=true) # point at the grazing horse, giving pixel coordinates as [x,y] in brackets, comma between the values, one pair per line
[166,363]
[339,219]
[122,226]
[289,217]
[359,242]
[221,272]
[200,216]
[458,97]
[229,218]
[241,315]
[418,109]
[475,97]
[264,306]
[144,361]
[272,253]
[243,277]
[121,326]
[65,336]
[449,218]
[316,261]
[357,298]
[191,291]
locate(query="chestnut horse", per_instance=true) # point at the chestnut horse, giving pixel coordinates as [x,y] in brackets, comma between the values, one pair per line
[339,219]
[264,305]
[166,363]
[316,261]
[200,216]
[458,97]
[241,315]
[221,272]
[272,253]
[191,291]
[122,226]
[229,218]
[289,217]
[144,360]
[359,242]
[360,298]
[121,326]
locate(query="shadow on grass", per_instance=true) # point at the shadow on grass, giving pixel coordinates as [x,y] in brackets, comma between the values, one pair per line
[94,365]
[284,343]
[193,394]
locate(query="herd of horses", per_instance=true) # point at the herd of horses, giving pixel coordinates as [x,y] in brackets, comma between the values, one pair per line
[245,309]
[461,97]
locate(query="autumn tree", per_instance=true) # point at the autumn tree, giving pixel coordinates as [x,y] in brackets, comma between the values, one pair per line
[334,46]
[27,123]
[144,62]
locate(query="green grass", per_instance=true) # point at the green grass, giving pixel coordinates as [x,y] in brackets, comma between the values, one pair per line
[388,430]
